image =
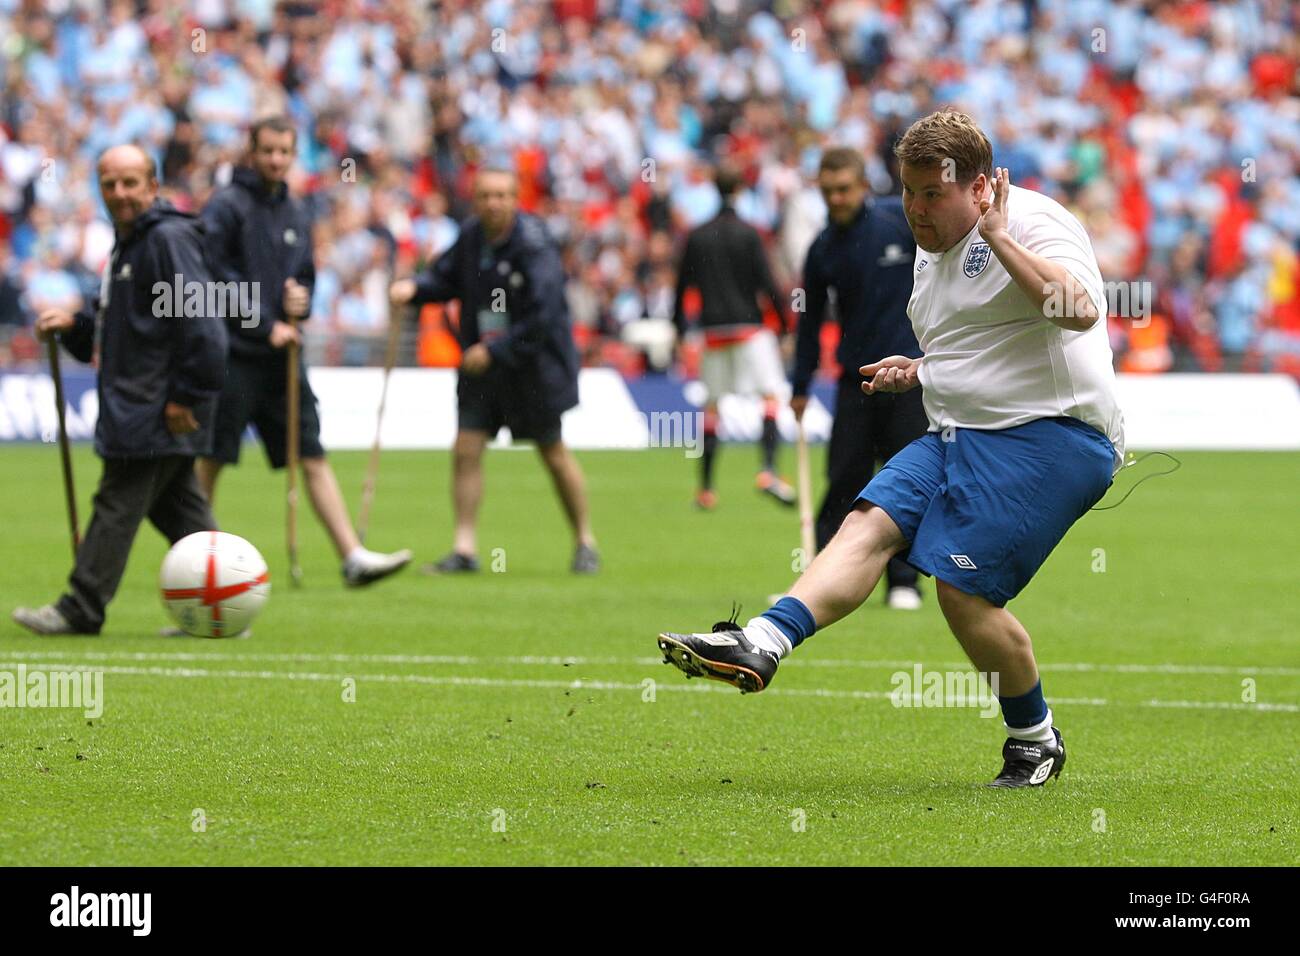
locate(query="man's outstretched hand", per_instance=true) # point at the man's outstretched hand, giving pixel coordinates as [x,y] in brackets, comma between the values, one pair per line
[898,373]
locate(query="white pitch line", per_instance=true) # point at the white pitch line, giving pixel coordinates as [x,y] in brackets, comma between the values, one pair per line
[580,684]
[308,657]
[575,661]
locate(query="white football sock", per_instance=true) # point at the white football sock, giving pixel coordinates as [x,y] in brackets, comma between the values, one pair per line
[766,635]
[1040,733]
[357,555]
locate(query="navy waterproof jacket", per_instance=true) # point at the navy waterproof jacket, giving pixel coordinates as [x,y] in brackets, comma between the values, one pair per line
[867,266]
[151,351]
[263,236]
[512,299]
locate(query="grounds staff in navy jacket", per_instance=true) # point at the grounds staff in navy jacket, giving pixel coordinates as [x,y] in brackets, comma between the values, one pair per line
[519,367]
[259,236]
[159,375]
[865,256]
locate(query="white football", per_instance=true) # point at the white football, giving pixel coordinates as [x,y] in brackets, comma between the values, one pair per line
[213,584]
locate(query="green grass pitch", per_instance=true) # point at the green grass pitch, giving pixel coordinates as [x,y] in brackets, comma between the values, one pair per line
[522,717]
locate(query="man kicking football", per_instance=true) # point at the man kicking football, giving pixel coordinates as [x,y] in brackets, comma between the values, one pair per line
[1025,436]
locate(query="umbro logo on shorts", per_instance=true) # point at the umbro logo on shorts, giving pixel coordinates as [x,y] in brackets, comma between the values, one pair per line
[719,640]
[963,562]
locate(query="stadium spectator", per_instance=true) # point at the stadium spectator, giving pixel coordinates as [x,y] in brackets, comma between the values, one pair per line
[12,310]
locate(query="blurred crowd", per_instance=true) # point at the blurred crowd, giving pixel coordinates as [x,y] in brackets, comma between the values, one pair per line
[1171,128]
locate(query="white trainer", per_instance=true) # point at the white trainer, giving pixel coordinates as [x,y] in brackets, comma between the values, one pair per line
[370,566]
[904,599]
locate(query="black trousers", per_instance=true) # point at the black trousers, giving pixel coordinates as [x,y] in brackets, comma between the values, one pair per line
[867,429]
[162,489]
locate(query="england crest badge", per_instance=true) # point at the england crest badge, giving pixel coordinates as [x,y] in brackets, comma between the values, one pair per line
[977,257]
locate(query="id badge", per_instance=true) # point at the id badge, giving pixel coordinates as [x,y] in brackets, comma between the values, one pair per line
[492,324]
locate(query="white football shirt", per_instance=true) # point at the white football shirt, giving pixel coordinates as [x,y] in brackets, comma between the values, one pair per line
[992,360]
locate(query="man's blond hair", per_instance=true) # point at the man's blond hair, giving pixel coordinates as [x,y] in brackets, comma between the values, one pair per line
[948,138]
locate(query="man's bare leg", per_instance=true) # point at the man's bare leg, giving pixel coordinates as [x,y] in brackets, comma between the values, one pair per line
[843,576]
[571,486]
[999,647]
[360,565]
[467,488]
[992,638]
[327,501]
[833,586]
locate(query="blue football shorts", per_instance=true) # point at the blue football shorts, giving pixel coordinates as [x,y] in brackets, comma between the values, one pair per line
[983,510]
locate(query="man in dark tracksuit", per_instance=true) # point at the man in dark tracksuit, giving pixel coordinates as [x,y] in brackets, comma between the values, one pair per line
[260,238]
[724,260]
[159,375]
[865,257]
[519,366]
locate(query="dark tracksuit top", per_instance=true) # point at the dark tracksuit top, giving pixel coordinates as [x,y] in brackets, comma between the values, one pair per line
[724,259]
[868,264]
[148,355]
[263,236]
[529,337]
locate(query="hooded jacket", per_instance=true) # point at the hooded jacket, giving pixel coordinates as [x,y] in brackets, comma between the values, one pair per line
[158,342]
